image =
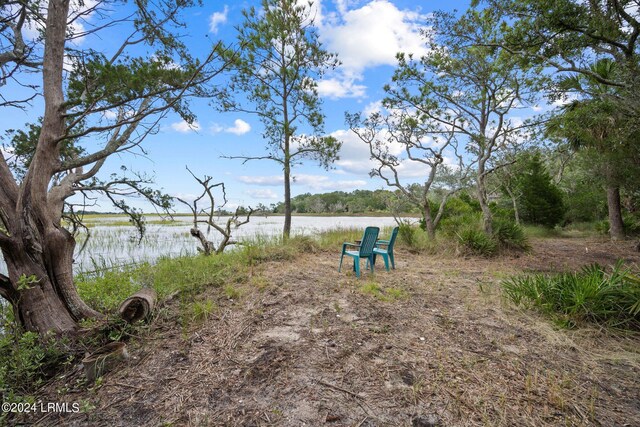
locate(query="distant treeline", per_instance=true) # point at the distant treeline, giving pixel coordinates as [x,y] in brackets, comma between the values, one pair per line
[357,201]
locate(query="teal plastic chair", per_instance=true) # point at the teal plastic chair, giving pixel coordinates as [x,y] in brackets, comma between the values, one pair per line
[365,250]
[384,248]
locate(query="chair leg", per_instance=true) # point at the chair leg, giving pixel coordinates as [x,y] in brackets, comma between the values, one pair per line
[340,266]
[393,264]
[386,261]
[356,266]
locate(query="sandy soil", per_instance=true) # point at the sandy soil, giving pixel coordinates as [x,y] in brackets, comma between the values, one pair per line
[306,345]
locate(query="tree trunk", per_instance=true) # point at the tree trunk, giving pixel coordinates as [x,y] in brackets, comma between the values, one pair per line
[40,271]
[37,250]
[616,224]
[428,220]
[286,232]
[38,307]
[514,201]
[487,219]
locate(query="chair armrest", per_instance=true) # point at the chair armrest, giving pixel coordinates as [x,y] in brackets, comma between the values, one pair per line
[382,243]
[345,244]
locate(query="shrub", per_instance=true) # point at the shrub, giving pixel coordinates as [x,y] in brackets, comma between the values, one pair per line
[593,294]
[26,361]
[477,242]
[510,235]
[407,234]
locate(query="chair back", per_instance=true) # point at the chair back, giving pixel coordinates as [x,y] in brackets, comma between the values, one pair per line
[368,242]
[392,240]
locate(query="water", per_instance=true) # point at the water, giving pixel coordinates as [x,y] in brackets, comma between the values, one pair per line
[111,246]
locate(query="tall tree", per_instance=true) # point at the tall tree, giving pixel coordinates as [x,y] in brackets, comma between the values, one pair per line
[403,137]
[568,35]
[468,89]
[96,104]
[540,199]
[277,73]
[596,124]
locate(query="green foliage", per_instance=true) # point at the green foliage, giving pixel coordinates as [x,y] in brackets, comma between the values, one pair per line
[594,294]
[540,200]
[357,201]
[26,361]
[509,235]
[202,310]
[407,234]
[381,293]
[477,242]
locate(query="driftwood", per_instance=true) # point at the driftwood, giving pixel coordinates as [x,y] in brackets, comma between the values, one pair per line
[138,306]
[104,359]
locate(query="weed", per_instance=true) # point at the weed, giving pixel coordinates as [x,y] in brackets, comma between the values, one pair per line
[231,292]
[202,310]
[375,290]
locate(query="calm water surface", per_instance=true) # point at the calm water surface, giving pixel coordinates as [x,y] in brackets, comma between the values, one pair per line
[112,246]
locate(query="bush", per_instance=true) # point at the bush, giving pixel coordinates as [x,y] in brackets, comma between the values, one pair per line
[477,242]
[510,235]
[611,298]
[407,234]
[26,361]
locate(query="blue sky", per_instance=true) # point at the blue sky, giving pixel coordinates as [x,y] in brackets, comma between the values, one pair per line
[366,36]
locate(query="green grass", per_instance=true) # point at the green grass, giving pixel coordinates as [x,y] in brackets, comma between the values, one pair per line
[595,294]
[381,293]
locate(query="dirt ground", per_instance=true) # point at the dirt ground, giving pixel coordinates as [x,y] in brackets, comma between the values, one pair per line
[307,346]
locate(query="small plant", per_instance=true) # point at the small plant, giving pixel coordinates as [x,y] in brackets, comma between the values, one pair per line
[407,234]
[510,235]
[26,361]
[231,292]
[477,242]
[380,293]
[594,294]
[202,310]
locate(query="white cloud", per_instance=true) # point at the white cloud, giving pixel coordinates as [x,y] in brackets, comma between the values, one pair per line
[184,127]
[341,87]
[262,193]
[187,197]
[240,127]
[366,37]
[372,35]
[7,152]
[372,107]
[355,157]
[218,18]
[110,115]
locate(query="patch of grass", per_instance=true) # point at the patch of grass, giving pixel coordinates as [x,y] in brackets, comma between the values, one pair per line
[606,297]
[231,292]
[540,231]
[202,310]
[383,294]
[335,238]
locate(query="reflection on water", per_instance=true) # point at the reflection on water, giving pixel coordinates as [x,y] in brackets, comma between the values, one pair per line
[118,245]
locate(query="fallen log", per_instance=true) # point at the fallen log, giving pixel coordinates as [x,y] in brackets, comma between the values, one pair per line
[138,306]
